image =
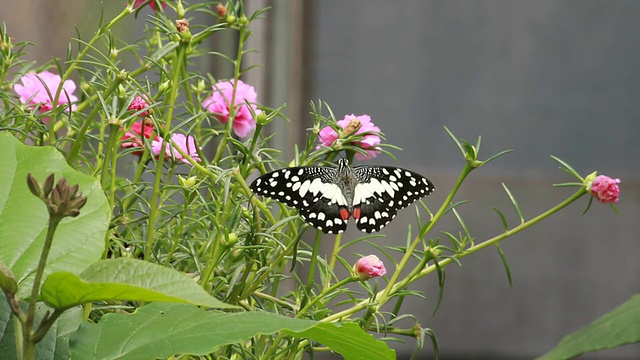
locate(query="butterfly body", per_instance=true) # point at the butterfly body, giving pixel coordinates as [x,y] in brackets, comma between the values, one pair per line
[327,197]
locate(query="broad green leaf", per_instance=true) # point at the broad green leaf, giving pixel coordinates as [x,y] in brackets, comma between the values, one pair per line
[619,327]
[125,279]
[161,330]
[78,241]
[54,345]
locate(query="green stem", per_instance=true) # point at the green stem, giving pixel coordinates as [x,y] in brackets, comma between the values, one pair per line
[365,303]
[313,263]
[27,330]
[156,200]
[232,104]
[424,231]
[324,293]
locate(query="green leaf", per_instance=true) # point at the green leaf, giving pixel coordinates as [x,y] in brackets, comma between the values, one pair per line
[619,327]
[125,279]
[78,241]
[54,345]
[162,330]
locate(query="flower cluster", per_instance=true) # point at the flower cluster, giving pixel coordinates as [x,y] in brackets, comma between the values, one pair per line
[352,124]
[39,90]
[219,103]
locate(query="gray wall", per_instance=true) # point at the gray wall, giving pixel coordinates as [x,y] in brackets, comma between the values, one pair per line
[539,77]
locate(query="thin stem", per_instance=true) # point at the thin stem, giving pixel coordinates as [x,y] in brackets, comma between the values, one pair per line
[409,252]
[156,200]
[397,286]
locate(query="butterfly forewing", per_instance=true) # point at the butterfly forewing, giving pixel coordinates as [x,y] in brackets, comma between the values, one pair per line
[311,190]
[382,191]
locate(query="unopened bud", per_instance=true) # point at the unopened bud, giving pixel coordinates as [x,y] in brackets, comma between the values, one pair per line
[230,19]
[48,185]
[34,186]
[221,10]
[262,119]
[164,86]
[243,20]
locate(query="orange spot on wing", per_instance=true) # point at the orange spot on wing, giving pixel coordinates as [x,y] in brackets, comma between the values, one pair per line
[356,213]
[344,214]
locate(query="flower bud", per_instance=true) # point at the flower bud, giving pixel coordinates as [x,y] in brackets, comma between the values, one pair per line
[230,19]
[221,10]
[188,182]
[230,240]
[262,119]
[34,186]
[243,20]
[368,267]
[164,86]
[604,189]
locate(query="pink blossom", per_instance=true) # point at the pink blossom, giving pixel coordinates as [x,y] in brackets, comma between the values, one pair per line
[133,137]
[219,104]
[185,143]
[138,104]
[152,3]
[605,189]
[358,124]
[32,91]
[368,267]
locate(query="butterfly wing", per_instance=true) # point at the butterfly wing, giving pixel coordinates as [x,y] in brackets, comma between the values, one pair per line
[382,191]
[311,190]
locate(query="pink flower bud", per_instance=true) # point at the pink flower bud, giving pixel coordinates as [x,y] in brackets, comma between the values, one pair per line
[368,267]
[605,189]
[138,104]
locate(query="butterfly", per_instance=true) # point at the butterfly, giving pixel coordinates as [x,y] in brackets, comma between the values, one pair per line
[326,197]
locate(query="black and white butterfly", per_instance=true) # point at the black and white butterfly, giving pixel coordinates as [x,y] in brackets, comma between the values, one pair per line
[327,197]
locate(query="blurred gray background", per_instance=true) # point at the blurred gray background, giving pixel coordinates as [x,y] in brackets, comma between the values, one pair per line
[540,77]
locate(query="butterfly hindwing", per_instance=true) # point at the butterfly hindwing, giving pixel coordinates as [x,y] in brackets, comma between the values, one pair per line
[382,191]
[311,190]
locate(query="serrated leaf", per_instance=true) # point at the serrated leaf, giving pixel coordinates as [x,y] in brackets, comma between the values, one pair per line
[125,279]
[161,330]
[53,346]
[616,328]
[78,241]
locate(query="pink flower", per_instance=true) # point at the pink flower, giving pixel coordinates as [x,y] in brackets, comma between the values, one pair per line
[34,92]
[138,104]
[133,137]
[368,267]
[152,3]
[185,143]
[219,104]
[359,124]
[605,189]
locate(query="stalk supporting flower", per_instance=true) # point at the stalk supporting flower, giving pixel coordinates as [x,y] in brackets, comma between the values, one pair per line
[219,103]
[352,124]
[604,189]
[39,90]
[185,143]
[368,267]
